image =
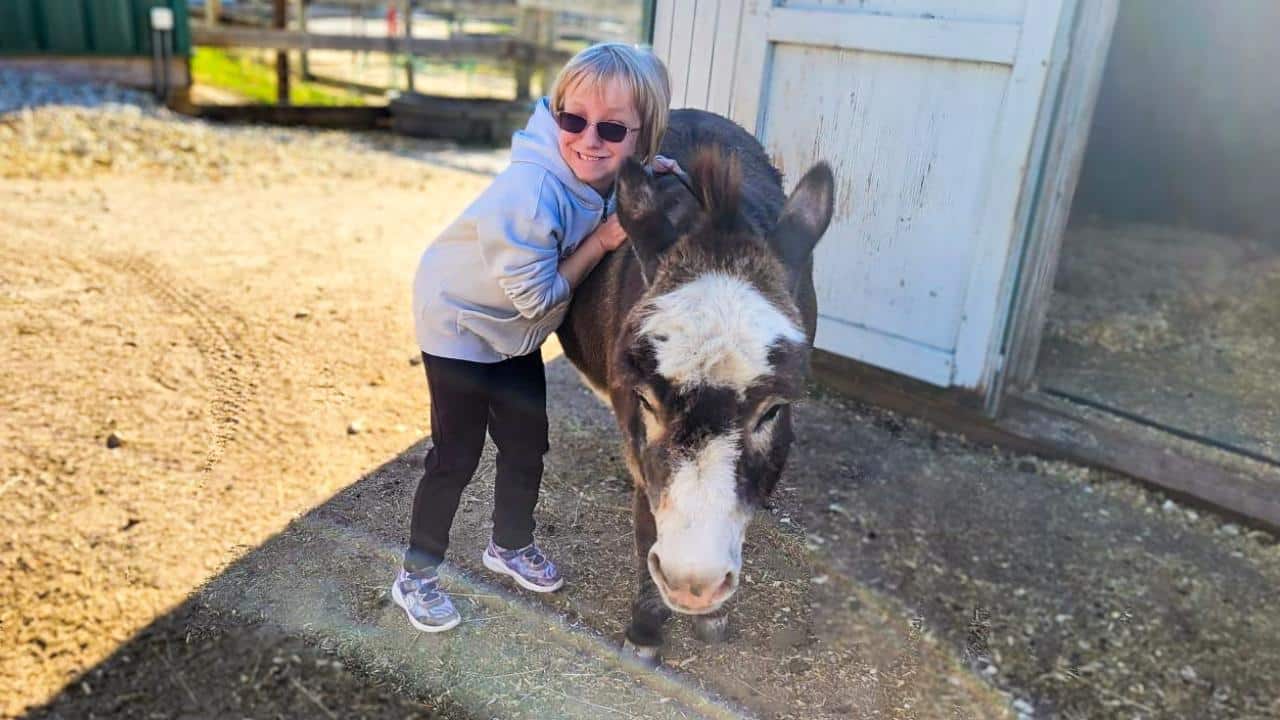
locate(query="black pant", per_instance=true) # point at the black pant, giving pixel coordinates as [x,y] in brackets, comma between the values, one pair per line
[510,399]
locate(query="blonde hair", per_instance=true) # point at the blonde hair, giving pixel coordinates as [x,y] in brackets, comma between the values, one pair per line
[640,72]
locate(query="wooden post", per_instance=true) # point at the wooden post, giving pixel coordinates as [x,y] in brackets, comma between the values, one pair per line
[279,20]
[527,33]
[212,12]
[546,42]
[408,36]
[305,70]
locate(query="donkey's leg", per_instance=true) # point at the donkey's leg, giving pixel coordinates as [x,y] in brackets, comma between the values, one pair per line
[712,627]
[648,612]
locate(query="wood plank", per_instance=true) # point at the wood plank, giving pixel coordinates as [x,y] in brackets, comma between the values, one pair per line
[750,79]
[992,276]
[347,84]
[1090,42]
[133,72]
[1037,424]
[682,27]
[604,9]
[280,18]
[462,119]
[663,19]
[905,139]
[526,30]
[950,407]
[701,52]
[985,10]
[408,35]
[490,46]
[346,118]
[883,350]
[724,59]
[1238,487]
[921,37]
[301,8]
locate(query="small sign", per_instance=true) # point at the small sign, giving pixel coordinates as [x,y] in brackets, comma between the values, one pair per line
[162,19]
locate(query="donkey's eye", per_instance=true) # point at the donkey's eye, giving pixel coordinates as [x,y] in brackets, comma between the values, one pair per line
[769,416]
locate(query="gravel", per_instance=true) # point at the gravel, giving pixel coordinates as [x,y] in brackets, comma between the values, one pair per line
[51,129]
[20,89]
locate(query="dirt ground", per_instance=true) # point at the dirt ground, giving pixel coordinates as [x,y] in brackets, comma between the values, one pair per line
[213,422]
[226,305]
[1177,326]
[208,337]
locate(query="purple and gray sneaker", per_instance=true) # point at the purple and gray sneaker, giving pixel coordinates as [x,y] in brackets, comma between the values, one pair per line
[528,566]
[419,594]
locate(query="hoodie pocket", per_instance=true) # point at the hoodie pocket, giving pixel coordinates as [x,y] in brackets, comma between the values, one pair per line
[511,335]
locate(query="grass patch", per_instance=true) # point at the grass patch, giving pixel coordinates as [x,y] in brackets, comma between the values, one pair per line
[245,75]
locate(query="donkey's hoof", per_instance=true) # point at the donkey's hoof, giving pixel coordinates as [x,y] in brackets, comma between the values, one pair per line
[711,628]
[649,655]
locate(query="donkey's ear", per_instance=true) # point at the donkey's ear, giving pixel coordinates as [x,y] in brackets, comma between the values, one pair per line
[641,215]
[805,216]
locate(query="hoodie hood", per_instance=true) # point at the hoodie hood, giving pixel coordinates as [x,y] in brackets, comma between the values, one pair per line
[538,144]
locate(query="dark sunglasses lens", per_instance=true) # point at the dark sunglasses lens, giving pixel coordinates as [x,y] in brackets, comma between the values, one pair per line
[611,131]
[571,123]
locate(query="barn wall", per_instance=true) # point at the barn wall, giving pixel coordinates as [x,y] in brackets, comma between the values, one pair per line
[698,39]
[1186,130]
[102,28]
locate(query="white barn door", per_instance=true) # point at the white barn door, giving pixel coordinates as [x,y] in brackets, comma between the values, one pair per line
[927,111]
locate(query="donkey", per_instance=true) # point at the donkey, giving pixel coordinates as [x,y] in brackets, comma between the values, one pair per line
[698,336]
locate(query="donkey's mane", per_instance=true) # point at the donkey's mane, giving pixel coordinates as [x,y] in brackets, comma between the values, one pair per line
[718,178]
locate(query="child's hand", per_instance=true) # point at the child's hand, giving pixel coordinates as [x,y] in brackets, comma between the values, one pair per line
[662,164]
[610,234]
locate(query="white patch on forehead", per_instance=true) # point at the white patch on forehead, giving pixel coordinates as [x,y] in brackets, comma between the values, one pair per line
[715,330]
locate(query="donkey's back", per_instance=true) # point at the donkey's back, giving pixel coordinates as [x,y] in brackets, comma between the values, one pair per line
[692,131]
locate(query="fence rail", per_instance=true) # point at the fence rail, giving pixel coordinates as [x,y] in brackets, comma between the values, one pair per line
[496,47]
[543,32]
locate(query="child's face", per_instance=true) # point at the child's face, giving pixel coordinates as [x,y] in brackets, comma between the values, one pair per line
[593,160]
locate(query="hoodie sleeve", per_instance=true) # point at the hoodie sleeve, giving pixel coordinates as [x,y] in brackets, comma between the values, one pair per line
[520,242]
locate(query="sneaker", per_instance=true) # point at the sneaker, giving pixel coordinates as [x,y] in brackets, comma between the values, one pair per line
[528,566]
[429,609]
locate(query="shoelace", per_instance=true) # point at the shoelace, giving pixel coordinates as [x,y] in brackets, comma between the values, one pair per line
[428,590]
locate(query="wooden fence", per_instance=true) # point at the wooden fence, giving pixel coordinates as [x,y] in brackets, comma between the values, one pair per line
[533,46]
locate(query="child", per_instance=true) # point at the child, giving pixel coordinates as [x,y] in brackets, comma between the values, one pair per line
[495,284]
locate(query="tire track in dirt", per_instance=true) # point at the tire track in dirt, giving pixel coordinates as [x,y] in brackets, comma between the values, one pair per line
[233,364]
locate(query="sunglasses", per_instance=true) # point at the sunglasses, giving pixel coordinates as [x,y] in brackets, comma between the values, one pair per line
[608,131]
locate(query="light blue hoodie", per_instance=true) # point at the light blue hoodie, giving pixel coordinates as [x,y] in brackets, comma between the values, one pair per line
[489,287]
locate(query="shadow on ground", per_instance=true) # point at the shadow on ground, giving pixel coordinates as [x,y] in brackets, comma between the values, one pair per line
[902,573]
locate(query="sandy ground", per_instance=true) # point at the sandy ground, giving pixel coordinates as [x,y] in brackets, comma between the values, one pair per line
[212,426]
[226,318]
[199,322]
